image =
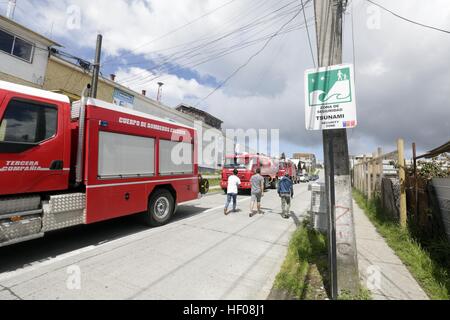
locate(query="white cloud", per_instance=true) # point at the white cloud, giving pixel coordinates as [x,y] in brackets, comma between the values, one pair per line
[375,69]
[402,69]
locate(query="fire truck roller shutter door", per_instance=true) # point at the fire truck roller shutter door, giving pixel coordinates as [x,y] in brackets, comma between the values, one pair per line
[175,158]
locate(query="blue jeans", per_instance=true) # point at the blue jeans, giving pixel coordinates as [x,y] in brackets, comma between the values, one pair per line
[285,203]
[229,197]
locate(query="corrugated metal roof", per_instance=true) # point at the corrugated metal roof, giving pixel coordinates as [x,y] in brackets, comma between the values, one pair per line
[436,151]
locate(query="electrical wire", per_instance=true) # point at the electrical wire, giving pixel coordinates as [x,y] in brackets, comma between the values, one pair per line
[176,29]
[208,59]
[186,53]
[408,20]
[307,32]
[188,42]
[201,48]
[353,39]
[213,54]
[248,60]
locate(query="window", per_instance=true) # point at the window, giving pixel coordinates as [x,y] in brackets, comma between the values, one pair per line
[28,122]
[175,157]
[22,49]
[121,155]
[240,162]
[6,42]
[16,46]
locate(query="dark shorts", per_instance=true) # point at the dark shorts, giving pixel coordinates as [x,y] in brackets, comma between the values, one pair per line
[256,196]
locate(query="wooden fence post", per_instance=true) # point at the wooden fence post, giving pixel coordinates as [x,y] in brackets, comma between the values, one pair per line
[369,180]
[380,167]
[416,186]
[360,179]
[364,165]
[402,176]
[374,173]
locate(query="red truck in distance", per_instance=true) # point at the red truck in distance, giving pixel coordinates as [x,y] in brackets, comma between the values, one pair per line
[246,165]
[289,167]
[63,165]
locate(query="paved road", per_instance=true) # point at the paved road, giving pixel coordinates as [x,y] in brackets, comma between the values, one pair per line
[201,254]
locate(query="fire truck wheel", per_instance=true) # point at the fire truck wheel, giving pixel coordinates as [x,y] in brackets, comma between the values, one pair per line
[205,186]
[160,208]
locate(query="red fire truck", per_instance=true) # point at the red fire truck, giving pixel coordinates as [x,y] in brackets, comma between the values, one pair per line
[289,167]
[246,165]
[62,165]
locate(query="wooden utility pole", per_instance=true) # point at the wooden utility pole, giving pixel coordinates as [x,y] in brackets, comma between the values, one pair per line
[342,246]
[402,177]
[96,71]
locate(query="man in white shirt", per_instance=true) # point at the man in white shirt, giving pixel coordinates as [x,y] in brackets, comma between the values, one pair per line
[232,191]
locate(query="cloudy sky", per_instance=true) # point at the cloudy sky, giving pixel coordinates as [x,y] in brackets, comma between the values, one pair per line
[402,70]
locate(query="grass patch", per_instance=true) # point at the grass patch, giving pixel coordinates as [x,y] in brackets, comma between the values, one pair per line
[303,273]
[214,182]
[429,265]
[363,294]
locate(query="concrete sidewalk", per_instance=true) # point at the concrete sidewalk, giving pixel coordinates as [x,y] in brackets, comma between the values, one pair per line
[381,271]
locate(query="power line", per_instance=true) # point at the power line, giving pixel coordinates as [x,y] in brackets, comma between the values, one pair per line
[217,55]
[200,62]
[408,20]
[250,58]
[236,17]
[353,38]
[211,54]
[307,32]
[352,131]
[203,57]
[203,48]
[174,30]
[187,53]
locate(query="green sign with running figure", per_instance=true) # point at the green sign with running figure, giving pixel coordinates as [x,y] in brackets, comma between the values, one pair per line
[330,98]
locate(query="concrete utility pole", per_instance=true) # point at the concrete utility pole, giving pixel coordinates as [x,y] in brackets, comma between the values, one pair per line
[96,71]
[342,246]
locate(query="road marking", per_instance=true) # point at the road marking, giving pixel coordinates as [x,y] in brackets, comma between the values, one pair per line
[37,265]
[136,236]
[11,274]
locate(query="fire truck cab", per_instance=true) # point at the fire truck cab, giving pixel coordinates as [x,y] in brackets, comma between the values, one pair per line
[289,167]
[62,165]
[246,165]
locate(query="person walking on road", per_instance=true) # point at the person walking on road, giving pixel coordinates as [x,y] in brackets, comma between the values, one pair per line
[257,191]
[286,192]
[232,191]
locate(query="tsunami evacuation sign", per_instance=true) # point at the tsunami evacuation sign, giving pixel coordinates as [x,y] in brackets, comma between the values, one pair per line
[330,98]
